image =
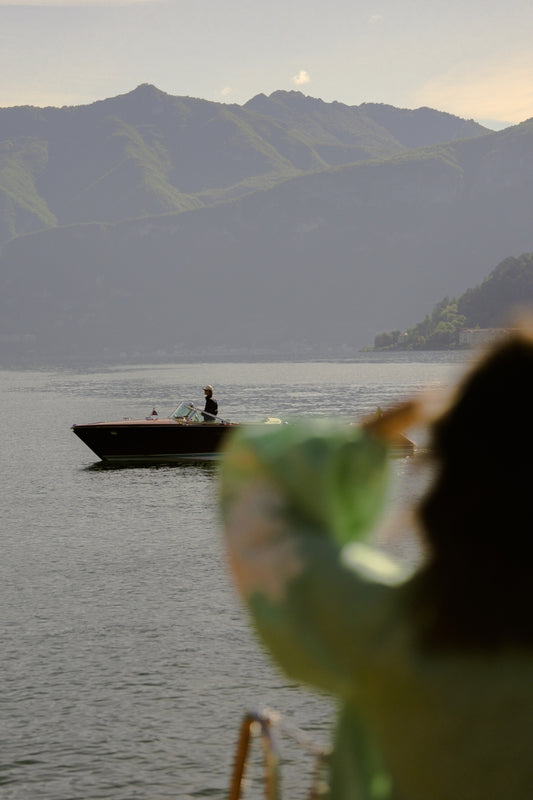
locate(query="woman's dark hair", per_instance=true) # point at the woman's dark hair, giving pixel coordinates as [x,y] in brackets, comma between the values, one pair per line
[476,589]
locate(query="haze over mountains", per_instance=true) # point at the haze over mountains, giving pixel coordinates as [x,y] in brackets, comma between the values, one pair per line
[150,224]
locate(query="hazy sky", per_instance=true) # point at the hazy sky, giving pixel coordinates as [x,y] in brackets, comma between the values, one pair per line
[472,58]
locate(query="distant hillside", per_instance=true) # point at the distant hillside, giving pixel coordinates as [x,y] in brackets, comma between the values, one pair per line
[490,304]
[148,153]
[247,254]
[421,126]
[341,134]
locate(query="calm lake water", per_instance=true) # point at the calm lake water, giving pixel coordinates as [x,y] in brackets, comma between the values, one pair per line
[127,662]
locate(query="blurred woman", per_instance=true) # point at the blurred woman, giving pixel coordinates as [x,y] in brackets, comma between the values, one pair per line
[432,670]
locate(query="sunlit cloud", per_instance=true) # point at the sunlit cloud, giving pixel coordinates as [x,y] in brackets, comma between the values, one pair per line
[226,91]
[301,78]
[376,19]
[503,92]
[75,3]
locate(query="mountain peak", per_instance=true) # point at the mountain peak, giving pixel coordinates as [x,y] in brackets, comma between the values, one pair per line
[283,98]
[289,93]
[144,99]
[146,92]
[147,89]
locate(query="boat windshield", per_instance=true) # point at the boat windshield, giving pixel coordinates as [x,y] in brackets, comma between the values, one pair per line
[187,412]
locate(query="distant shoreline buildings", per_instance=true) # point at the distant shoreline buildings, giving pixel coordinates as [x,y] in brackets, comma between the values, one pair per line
[470,337]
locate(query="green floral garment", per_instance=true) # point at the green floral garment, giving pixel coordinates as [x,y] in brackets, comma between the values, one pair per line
[337,614]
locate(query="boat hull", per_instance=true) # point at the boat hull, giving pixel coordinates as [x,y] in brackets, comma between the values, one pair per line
[153,441]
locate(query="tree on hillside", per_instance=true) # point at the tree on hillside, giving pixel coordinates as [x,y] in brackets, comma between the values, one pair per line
[385,340]
[509,285]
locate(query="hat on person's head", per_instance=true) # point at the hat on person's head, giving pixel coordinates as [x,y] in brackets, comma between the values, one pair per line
[208,388]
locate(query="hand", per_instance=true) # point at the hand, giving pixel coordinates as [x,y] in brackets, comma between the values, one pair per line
[395,420]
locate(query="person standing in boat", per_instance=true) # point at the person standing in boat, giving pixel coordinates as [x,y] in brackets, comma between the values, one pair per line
[211,406]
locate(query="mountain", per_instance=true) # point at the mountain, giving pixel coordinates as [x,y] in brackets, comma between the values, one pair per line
[421,126]
[268,257]
[147,153]
[341,134]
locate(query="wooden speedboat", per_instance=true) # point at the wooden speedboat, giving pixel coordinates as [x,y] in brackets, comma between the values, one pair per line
[182,436]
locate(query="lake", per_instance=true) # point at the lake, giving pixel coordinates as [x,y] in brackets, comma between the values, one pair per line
[127,661]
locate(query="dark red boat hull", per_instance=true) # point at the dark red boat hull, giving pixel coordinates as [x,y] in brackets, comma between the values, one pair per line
[153,440]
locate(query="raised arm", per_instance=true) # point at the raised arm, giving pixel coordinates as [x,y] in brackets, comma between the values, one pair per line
[296,502]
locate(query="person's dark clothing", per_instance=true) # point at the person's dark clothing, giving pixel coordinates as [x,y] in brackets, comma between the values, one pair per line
[211,407]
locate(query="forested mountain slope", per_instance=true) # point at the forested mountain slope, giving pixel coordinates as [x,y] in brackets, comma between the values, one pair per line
[313,263]
[147,153]
[506,292]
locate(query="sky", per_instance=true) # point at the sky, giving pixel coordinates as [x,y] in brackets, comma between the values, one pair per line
[472,58]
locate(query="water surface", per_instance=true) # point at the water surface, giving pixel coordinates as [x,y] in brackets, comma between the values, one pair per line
[126,659]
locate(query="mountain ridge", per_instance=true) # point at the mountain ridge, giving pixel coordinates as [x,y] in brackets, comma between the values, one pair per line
[286,260]
[155,153]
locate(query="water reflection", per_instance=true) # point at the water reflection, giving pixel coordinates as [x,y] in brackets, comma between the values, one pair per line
[201,467]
